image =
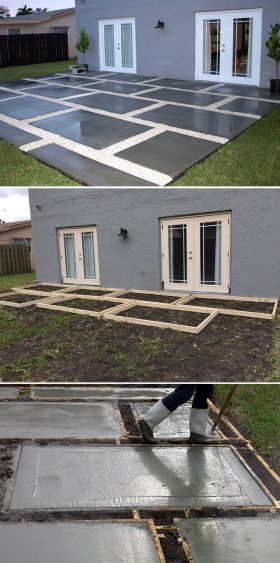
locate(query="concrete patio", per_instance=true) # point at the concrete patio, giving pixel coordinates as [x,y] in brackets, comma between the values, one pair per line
[110,129]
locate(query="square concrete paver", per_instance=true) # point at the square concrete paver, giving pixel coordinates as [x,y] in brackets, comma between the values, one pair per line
[71,81]
[15,135]
[100,393]
[69,477]
[176,425]
[55,91]
[19,84]
[85,169]
[91,129]
[126,77]
[182,84]
[8,392]
[182,151]
[250,539]
[202,121]
[58,420]
[73,542]
[5,94]
[191,98]
[257,107]
[250,91]
[113,104]
[118,87]
[27,107]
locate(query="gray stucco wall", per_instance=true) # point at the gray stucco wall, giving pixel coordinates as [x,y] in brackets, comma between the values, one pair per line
[136,262]
[169,52]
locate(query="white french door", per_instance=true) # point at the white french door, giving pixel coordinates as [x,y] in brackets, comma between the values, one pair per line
[79,255]
[196,253]
[228,46]
[117,45]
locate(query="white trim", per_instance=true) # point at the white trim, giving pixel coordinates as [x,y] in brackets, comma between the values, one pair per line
[80,278]
[116,23]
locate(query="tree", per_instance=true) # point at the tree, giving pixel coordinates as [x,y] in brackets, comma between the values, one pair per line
[4,11]
[83,43]
[273,46]
[25,11]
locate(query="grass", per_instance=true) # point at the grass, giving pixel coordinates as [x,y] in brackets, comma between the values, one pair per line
[253,159]
[255,410]
[7,282]
[34,71]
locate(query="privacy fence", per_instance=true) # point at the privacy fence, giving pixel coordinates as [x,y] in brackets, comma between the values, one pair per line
[14,259]
[33,48]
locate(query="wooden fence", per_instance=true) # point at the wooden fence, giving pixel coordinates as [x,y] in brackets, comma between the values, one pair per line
[34,48]
[14,259]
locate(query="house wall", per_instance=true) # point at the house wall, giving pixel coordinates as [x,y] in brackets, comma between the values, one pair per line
[46,27]
[169,52]
[22,232]
[136,261]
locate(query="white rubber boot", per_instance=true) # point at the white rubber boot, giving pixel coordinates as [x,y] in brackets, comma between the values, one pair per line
[198,422]
[155,415]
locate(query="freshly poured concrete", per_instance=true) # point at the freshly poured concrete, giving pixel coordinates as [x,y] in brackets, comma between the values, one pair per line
[176,425]
[73,542]
[182,151]
[15,135]
[254,539]
[58,420]
[94,130]
[69,477]
[100,393]
[202,121]
[115,104]
[8,392]
[28,107]
[85,169]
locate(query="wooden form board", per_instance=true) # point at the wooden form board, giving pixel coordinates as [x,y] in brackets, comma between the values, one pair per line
[236,312]
[18,305]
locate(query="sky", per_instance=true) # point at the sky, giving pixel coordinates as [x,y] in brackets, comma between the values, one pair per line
[14,204]
[13,5]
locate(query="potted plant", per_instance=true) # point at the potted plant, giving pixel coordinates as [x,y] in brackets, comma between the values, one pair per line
[273,47]
[82,46]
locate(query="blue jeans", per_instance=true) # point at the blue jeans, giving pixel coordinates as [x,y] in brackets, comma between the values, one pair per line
[184,393]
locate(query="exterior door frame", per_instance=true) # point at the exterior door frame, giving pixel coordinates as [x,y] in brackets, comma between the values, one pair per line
[227,17]
[117,40]
[193,253]
[80,278]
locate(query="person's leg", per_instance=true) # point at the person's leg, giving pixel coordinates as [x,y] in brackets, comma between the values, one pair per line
[163,408]
[199,413]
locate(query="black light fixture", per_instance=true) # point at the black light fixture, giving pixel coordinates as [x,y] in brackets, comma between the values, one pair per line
[38,207]
[122,233]
[160,25]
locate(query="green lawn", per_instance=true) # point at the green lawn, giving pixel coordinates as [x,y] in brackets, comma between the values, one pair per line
[34,71]
[6,282]
[253,159]
[255,409]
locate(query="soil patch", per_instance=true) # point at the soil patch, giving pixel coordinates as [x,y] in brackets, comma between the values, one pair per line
[165,315]
[90,292]
[19,298]
[171,548]
[236,305]
[48,288]
[149,297]
[128,418]
[88,305]
[6,469]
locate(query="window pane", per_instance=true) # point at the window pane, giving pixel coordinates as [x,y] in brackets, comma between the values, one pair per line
[210,253]
[127,49]
[60,29]
[88,255]
[177,249]
[109,43]
[211,46]
[70,258]
[14,31]
[242,47]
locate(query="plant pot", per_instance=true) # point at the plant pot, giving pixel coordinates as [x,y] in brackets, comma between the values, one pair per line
[274,86]
[86,67]
[78,70]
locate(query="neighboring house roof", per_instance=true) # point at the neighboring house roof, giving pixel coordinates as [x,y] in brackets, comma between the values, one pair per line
[14,225]
[38,17]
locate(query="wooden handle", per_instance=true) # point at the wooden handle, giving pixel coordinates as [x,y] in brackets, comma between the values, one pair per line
[223,408]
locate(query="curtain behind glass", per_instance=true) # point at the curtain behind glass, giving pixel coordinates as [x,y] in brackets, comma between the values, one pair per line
[70,258]
[88,255]
[127,48]
[109,45]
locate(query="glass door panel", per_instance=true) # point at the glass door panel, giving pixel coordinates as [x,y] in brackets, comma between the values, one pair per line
[211,46]
[70,256]
[88,255]
[79,255]
[109,46]
[117,45]
[127,45]
[177,252]
[210,253]
[242,47]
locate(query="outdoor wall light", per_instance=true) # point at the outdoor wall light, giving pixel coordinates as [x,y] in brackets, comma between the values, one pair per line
[160,25]
[122,233]
[38,207]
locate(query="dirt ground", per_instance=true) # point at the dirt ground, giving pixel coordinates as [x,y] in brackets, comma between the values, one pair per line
[85,349]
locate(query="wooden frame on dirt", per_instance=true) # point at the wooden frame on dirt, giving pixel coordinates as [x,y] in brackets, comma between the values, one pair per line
[28,289]
[15,304]
[53,304]
[236,312]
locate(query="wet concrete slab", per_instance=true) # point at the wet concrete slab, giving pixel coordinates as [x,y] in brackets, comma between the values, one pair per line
[182,84]
[114,104]
[19,84]
[28,107]
[191,98]
[255,539]
[54,91]
[8,392]
[126,77]
[58,420]
[83,169]
[250,106]
[69,477]
[202,121]
[118,87]
[250,91]
[5,94]
[90,129]
[71,80]
[100,393]
[15,135]
[183,151]
[176,425]
[72,542]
